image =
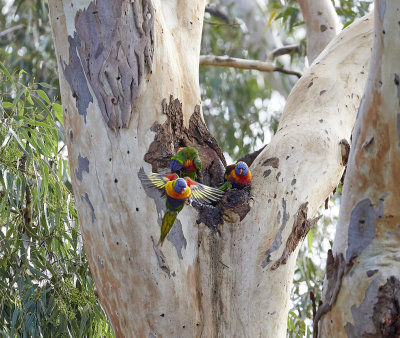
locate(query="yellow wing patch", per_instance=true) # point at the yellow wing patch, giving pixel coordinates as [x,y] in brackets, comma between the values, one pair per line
[205,194]
[158,180]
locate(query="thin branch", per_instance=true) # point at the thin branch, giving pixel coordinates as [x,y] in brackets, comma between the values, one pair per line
[288,49]
[226,61]
[287,71]
[11,29]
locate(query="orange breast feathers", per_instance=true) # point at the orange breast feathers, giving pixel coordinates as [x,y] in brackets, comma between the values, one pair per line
[241,179]
[189,166]
[169,189]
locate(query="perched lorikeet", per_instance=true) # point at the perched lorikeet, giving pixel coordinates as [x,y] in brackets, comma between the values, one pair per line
[236,176]
[187,161]
[178,191]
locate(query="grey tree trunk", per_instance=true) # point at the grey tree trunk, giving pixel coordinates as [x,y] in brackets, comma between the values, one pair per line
[362,290]
[129,82]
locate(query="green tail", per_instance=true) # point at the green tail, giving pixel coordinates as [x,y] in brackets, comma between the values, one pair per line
[167,223]
[226,186]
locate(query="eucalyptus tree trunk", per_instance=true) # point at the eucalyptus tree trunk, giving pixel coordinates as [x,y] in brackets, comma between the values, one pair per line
[129,82]
[322,25]
[362,290]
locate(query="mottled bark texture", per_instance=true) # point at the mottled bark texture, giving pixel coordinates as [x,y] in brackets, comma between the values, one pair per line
[219,280]
[112,47]
[322,25]
[368,238]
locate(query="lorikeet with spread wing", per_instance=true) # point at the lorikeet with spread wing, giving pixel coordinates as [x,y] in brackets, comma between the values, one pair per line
[187,161]
[236,176]
[178,191]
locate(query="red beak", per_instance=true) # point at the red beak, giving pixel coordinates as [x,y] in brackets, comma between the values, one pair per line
[240,171]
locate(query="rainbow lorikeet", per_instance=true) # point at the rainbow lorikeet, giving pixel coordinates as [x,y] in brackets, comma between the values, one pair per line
[187,161]
[178,191]
[236,176]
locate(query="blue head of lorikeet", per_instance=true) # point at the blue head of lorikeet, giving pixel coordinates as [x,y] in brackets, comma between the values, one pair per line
[241,169]
[236,176]
[180,185]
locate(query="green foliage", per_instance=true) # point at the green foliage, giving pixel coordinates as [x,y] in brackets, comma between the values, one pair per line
[348,11]
[236,103]
[26,42]
[45,285]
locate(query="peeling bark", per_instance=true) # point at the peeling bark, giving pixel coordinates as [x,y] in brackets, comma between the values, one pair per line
[301,227]
[113,51]
[335,269]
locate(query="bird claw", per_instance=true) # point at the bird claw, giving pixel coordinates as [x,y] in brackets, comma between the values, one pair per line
[160,257]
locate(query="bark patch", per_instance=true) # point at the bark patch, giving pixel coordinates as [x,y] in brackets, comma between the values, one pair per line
[211,216]
[361,228]
[237,200]
[370,273]
[113,49]
[278,238]
[89,203]
[382,9]
[267,172]
[335,269]
[273,162]
[397,83]
[345,151]
[386,317]
[362,315]
[171,135]
[83,165]
[300,229]
[234,200]
[75,76]
[177,238]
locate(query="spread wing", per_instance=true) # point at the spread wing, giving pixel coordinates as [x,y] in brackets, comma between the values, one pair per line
[157,181]
[203,193]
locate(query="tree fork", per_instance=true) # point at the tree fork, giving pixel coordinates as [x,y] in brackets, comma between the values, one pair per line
[218,284]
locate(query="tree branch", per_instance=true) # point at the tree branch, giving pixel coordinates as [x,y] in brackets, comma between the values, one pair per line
[289,49]
[322,25]
[226,61]
[11,29]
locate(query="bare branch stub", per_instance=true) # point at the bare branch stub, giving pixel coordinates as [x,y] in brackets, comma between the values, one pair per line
[113,56]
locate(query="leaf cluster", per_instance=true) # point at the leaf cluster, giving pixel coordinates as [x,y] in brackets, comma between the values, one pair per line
[45,284]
